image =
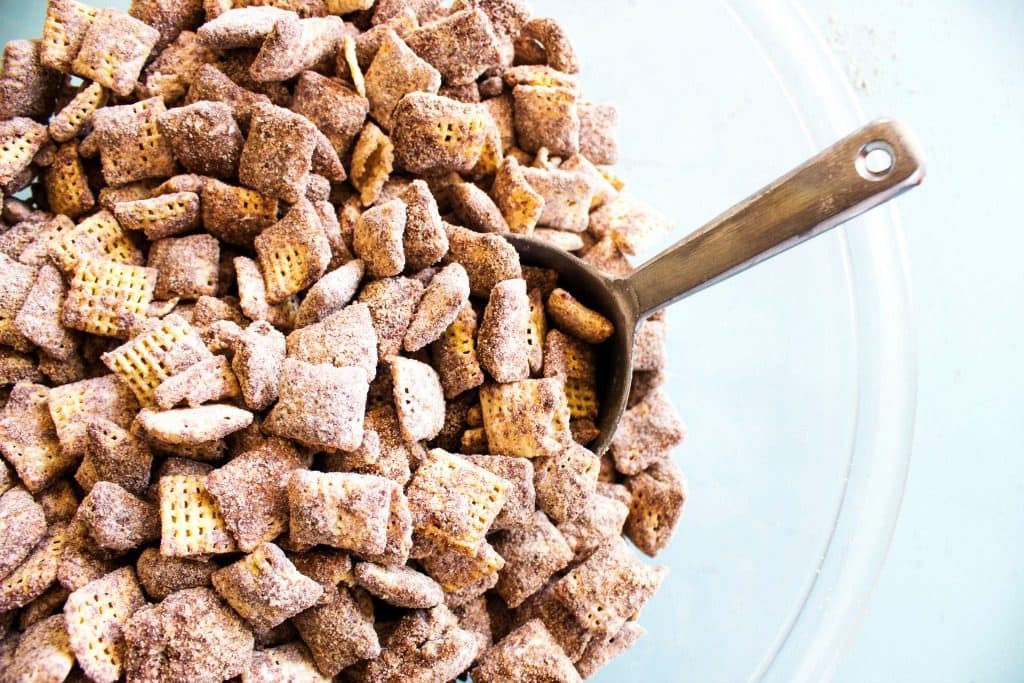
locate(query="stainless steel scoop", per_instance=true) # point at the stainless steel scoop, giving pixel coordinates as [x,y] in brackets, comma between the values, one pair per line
[861,171]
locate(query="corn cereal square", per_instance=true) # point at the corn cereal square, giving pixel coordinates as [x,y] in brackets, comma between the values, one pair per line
[528,418]
[191,523]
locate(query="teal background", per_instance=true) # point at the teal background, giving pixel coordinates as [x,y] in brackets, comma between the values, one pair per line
[948,605]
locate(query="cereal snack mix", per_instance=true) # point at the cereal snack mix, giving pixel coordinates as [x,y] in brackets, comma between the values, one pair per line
[278,398]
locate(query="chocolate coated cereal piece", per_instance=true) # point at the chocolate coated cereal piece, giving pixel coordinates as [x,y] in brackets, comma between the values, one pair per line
[547,117]
[39,317]
[603,650]
[426,240]
[331,293]
[252,492]
[343,510]
[609,588]
[18,367]
[528,418]
[187,267]
[288,662]
[278,153]
[258,358]
[454,502]
[476,209]
[294,45]
[98,236]
[191,521]
[649,353]
[566,482]
[214,85]
[343,339]
[647,434]
[22,526]
[115,455]
[114,50]
[658,499]
[16,282]
[488,259]
[208,380]
[528,653]
[392,302]
[241,27]
[599,132]
[519,506]
[236,214]
[265,587]
[293,253]
[191,636]
[64,29]
[42,653]
[32,577]
[204,137]
[433,134]
[28,439]
[319,405]
[632,224]
[419,399]
[118,521]
[445,296]
[399,585]
[340,632]
[67,188]
[27,86]
[131,146]
[161,575]
[21,139]
[170,75]
[377,238]
[564,628]
[372,162]
[192,426]
[396,71]
[532,554]
[606,256]
[252,294]
[95,615]
[73,405]
[170,17]
[425,645]
[576,319]
[455,355]
[502,340]
[337,111]
[567,195]
[602,519]
[461,46]
[543,40]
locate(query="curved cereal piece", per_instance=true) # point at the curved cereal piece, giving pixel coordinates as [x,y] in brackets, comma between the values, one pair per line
[348,50]
[67,187]
[475,209]
[77,114]
[544,41]
[95,614]
[399,585]
[578,320]
[193,426]
[396,70]
[372,162]
[241,27]
[208,380]
[331,293]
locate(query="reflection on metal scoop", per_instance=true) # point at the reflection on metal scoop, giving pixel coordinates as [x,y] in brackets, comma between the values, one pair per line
[863,170]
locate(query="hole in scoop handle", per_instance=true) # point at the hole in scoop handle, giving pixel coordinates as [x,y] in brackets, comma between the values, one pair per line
[829,189]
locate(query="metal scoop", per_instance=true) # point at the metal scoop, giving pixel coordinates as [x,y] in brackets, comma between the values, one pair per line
[861,171]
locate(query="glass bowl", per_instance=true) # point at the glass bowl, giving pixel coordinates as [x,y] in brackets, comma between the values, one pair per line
[796,379]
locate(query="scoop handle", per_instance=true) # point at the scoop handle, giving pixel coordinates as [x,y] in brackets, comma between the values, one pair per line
[861,171]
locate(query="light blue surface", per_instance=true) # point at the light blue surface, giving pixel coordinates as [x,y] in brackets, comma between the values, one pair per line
[766,386]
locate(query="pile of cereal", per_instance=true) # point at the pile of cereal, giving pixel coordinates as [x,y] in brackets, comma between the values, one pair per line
[278,400]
